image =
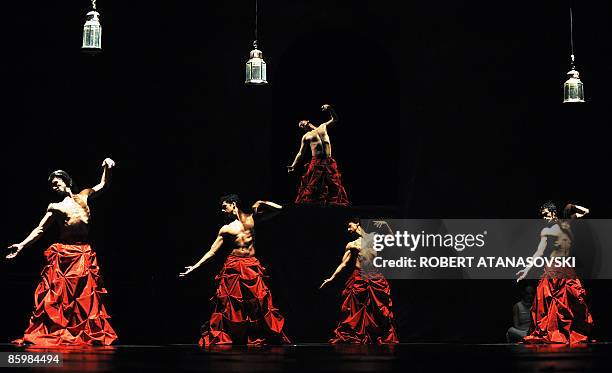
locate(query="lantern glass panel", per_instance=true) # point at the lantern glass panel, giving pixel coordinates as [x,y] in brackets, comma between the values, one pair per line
[256,70]
[92,31]
[263,71]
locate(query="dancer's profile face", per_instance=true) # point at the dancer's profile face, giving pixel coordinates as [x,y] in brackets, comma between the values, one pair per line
[228,208]
[353,227]
[59,186]
[547,214]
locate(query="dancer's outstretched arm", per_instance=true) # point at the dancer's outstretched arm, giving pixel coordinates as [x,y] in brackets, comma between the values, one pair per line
[107,166]
[334,117]
[35,235]
[266,210]
[209,254]
[345,260]
[257,205]
[539,252]
[298,156]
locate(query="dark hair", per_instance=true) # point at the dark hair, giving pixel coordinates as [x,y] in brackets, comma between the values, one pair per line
[550,206]
[354,219]
[230,198]
[61,174]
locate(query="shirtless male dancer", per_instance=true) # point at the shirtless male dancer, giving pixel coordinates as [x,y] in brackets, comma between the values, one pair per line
[559,312]
[367,306]
[68,307]
[321,183]
[243,309]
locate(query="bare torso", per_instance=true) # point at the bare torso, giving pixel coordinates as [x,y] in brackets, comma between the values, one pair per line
[363,249]
[561,241]
[240,234]
[73,215]
[320,144]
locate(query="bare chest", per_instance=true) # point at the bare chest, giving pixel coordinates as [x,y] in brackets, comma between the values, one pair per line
[316,137]
[73,211]
[241,230]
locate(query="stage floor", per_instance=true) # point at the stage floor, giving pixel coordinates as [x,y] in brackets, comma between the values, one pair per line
[406,357]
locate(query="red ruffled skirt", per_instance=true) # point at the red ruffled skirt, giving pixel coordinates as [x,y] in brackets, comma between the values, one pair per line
[68,307]
[243,309]
[559,313]
[366,310]
[321,184]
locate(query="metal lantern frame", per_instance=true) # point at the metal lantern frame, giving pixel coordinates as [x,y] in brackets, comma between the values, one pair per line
[92,31]
[255,69]
[573,88]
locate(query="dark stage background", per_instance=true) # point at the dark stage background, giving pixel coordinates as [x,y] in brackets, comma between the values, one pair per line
[447,110]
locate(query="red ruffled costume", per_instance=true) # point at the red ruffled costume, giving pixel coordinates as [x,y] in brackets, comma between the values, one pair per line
[322,184]
[559,313]
[68,308]
[367,311]
[244,312]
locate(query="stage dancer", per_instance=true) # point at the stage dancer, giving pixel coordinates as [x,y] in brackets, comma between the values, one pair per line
[367,314]
[321,183]
[243,309]
[68,308]
[559,312]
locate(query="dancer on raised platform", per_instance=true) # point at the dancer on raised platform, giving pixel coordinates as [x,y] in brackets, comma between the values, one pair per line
[243,309]
[368,317]
[559,312]
[68,308]
[321,183]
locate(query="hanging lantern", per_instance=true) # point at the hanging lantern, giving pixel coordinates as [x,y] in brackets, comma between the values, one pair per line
[573,90]
[256,67]
[92,31]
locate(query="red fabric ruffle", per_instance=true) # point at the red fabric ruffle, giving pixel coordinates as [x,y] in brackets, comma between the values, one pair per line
[321,184]
[243,309]
[367,311]
[68,307]
[559,313]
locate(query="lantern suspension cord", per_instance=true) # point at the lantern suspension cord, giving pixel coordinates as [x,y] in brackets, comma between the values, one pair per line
[572,34]
[256,11]
[93,4]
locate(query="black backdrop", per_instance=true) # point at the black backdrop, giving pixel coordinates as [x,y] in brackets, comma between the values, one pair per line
[447,109]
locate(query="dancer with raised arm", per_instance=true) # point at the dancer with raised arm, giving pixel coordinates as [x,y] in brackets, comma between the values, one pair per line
[559,311]
[243,309]
[322,182]
[68,306]
[367,313]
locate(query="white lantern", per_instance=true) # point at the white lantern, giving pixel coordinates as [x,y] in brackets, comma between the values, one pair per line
[256,68]
[92,31]
[573,90]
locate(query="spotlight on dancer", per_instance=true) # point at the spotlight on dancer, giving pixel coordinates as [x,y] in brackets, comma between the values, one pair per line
[321,183]
[243,309]
[68,308]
